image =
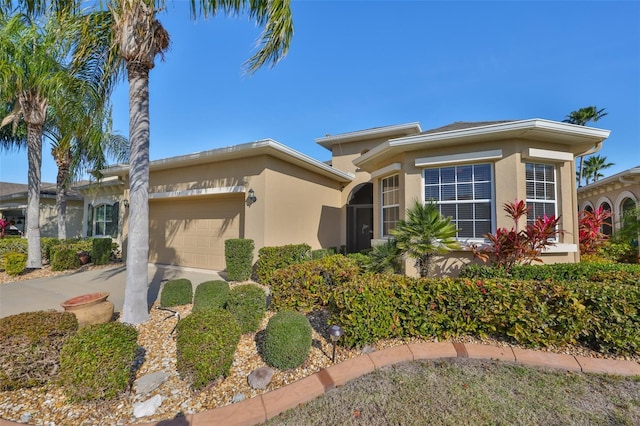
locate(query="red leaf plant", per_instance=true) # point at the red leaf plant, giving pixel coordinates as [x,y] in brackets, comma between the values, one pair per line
[508,248]
[589,226]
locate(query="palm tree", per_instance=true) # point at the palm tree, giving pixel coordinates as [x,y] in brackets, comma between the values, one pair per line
[582,117]
[592,167]
[32,72]
[139,38]
[424,234]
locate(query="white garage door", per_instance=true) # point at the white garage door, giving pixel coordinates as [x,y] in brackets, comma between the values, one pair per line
[192,232]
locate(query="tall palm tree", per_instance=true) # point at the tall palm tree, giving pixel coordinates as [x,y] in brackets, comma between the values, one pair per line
[582,117]
[32,72]
[424,234]
[139,38]
[592,167]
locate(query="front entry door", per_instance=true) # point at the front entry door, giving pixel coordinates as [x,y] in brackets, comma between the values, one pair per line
[360,226]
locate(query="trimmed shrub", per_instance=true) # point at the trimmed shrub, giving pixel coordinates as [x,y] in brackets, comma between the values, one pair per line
[176,292]
[30,346]
[308,285]
[270,259]
[210,295]
[287,340]
[205,343]
[248,304]
[97,362]
[65,258]
[11,245]
[238,254]
[15,263]
[47,244]
[320,253]
[101,251]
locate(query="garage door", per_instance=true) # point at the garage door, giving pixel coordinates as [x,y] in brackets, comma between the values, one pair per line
[192,232]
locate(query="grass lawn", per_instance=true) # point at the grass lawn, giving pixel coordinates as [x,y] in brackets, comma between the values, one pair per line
[473,392]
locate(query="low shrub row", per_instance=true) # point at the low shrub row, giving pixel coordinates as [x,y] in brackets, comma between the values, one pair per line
[307,285]
[618,273]
[601,316]
[270,259]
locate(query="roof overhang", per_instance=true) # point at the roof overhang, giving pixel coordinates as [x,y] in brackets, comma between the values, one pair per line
[377,132]
[252,149]
[579,138]
[627,177]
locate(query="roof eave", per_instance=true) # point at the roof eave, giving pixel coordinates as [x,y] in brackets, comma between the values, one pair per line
[379,132]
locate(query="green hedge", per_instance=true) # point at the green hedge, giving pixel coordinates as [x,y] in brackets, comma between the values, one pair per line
[270,259]
[238,255]
[11,245]
[96,363]
[210,295]
[287,340]
[248,304]
[602,316]
[205,343]
[305,286]
[176,292]
[619,273]
[15,263]
[101,251]
[64,258]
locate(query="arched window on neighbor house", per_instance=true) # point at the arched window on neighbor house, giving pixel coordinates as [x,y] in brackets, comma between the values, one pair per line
[627,205]
[607,226]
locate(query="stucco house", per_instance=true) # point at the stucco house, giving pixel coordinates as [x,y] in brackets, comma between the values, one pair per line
[13,207]
[275,195]
[617,193]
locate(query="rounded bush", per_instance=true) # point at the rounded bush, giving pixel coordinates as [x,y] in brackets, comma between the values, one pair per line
[15,263]
[205,343]
[248,304]
[177,292]
[210,295]
[65,258]
[96,363]
[30,345]
[287,340]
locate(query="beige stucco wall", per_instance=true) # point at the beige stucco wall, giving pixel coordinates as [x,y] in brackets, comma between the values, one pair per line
[509,184]
[49,217]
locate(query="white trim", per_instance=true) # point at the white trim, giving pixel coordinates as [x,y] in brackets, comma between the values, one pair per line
[390,169]
[408,128]
[619,213]
[546,154]
[494,154]
[561,248]
[194,192]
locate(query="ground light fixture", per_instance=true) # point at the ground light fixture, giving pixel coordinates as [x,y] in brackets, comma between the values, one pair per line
[335,331]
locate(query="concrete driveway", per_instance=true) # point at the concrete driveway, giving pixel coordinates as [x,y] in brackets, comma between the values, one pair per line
[48,293]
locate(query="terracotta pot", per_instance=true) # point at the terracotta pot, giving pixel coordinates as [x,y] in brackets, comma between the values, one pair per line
[93,308]
[84,258]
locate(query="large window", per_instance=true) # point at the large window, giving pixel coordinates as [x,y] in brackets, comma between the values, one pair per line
[541,190]
[390,203]
[103,220]
[464,194]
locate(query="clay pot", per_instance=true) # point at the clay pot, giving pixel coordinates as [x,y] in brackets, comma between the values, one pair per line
[93,308]
[84,258]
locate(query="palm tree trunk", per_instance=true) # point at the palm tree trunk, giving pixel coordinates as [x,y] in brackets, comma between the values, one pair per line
[34,156]
[135,309]
[64,164]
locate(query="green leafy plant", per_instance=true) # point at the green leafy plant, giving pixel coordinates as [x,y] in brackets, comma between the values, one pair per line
[176,292]
[239,258]
[385,258]
[210,295]
[270,259]
[30,345]
[424,234]
[15,263]
[248,304]
[64,259]
[287,340]
[205,343]
[96,363]
[508,248]
[101,251]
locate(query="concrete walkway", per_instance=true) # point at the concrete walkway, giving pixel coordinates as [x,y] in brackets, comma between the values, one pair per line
[48,293]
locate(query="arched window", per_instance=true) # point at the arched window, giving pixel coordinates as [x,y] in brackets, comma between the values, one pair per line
[588,208]
[607,226]
[102,220]
[627,205]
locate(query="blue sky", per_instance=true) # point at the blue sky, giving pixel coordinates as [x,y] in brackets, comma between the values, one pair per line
[354,65]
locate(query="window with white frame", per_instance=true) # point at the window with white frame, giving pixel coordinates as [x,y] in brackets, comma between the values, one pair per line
[541,190]
[390,202]
[463,193]
[102,220]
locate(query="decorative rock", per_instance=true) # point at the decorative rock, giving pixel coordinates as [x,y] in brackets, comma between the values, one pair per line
[260,378]
[150,382]
[239,397]
[25,418]
[368,349]
[147,408]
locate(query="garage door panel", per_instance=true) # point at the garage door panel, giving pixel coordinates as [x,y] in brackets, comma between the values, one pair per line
[192,232]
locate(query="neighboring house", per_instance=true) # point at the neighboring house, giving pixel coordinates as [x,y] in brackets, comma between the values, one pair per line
[471,169]
[13,207]
[617,194]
